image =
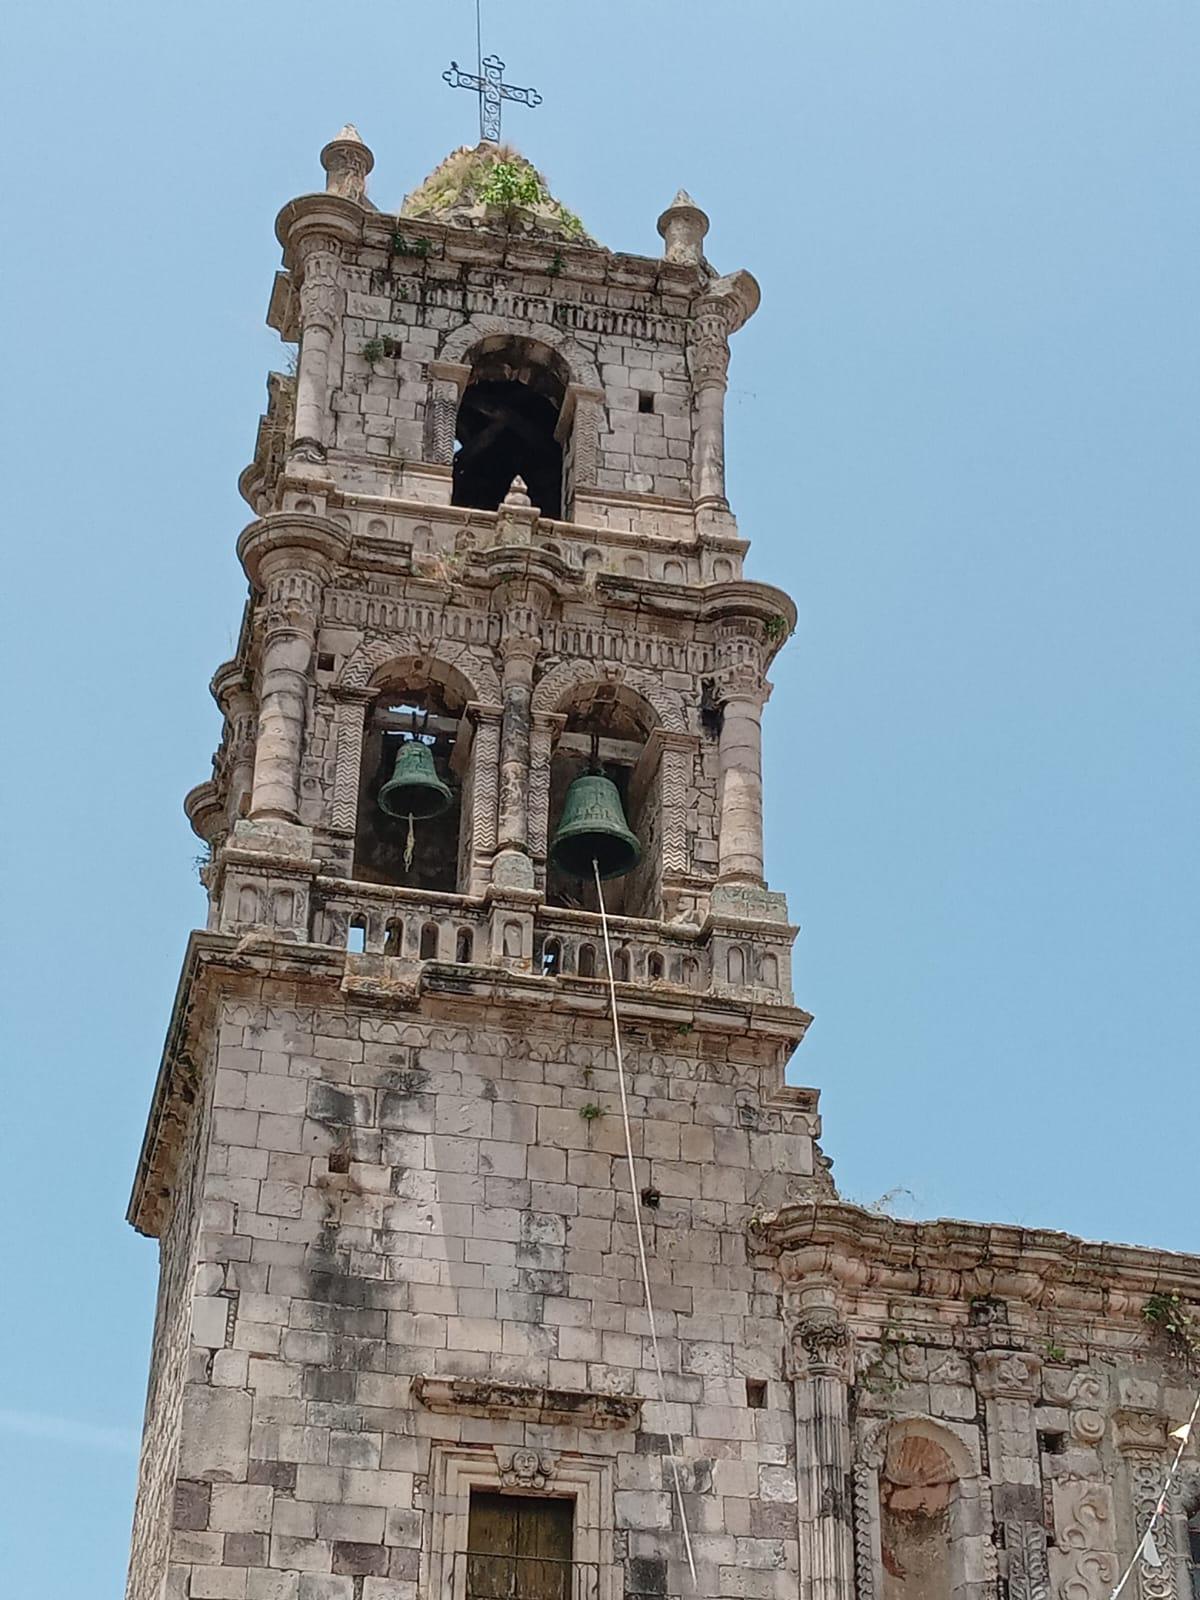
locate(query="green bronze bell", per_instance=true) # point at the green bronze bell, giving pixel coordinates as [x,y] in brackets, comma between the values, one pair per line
[593,828]
[414,788]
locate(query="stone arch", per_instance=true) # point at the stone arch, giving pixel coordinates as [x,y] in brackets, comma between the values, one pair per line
[461,341]
[912,1470]
[373,655]
[555,686]
[916,1425]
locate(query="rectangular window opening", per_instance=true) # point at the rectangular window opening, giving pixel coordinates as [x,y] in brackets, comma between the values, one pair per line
[645,400]
[325,662]
[756,1393]
[1052,1444]
[519,1547]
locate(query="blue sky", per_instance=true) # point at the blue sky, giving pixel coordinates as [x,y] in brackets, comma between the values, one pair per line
[962,433]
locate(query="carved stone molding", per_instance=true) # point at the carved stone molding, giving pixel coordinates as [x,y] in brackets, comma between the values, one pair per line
[519,1402]
[1011,1374]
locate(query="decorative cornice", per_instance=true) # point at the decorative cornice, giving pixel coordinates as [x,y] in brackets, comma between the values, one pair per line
[518,1402]
[860,1252]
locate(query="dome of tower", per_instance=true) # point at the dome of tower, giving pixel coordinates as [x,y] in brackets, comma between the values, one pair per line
[493,186]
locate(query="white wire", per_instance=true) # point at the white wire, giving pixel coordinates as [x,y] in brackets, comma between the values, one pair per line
[637,1224]
[1160,1505]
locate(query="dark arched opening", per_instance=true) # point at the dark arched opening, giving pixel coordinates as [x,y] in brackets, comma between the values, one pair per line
[506,427]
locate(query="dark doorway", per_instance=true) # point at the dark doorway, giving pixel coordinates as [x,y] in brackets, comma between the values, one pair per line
[519,1547]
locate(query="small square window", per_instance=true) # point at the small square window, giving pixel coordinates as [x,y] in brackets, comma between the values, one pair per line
[645,400]
[1052,1444]
[756,1394]
[324,663]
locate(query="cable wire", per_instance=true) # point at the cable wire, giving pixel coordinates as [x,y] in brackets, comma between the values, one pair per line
[641,1238]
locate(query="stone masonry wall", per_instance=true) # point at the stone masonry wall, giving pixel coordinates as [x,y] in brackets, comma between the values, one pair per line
[388,1198]
[151,1543]
[635,342]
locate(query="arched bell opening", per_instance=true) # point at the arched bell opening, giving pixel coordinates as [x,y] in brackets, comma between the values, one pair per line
[507,425]
[417,704]
[607,734]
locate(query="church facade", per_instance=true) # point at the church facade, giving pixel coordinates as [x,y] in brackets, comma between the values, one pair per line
[407,1342]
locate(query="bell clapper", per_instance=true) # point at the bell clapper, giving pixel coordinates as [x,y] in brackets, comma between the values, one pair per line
[409,845]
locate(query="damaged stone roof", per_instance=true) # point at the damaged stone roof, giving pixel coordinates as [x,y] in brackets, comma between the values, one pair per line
[494,187]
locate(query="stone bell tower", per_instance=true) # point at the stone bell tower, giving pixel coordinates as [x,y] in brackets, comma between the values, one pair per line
[402,1344]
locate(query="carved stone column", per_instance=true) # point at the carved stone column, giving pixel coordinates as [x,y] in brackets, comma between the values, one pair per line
[447,380]
[1142,1440]
[293,582]
[710,378]
[232,692]
[743,692]
[320,303]
[349,725]
[821,1349]
[1009,1381]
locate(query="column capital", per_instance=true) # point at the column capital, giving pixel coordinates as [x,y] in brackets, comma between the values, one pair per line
[819,1344]
[1139,1432]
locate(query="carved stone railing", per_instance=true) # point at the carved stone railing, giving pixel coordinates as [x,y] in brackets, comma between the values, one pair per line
[570,944]
[739,961]
[381,920]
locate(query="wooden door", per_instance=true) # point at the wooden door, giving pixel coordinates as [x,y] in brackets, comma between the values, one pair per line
[519,1547]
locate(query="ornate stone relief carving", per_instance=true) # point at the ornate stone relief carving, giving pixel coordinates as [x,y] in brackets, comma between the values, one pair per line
[819,1345]
[1011,1373]
[1028,1570]
[521,1468]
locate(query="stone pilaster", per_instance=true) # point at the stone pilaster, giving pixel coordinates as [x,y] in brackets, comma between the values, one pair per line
[820,1347]
[520,642]
[1141,1438]
[349,725]
[485,761]
[447,380]
[547,725]
[1009,1381]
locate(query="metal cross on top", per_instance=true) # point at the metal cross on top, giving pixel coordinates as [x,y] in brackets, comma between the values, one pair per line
[489,85]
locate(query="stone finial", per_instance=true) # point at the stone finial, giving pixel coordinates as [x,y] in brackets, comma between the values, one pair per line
[518,494]
[347,161]
[683,226]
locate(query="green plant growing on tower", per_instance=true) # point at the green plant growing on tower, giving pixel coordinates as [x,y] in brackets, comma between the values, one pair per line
[776,628]
[402,246]
[591,1111]
[509,185]
[1181,1327]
